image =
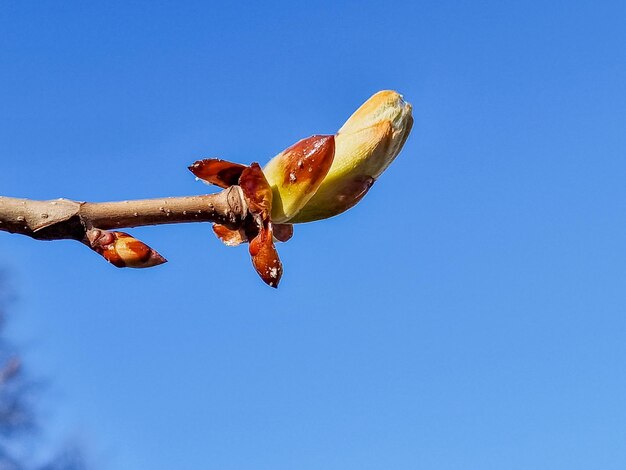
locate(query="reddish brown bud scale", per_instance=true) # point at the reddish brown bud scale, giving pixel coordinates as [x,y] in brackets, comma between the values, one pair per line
[265,257]
[218,172]
[308,160]
[282,232]
[257,228]
[258,195]
[343,197]
[228,236]
[256,190]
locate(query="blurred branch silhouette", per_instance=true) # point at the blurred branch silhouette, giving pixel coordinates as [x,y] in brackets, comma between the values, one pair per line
[18,424]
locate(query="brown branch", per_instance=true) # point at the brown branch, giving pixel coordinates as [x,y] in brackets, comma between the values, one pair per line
[66,219]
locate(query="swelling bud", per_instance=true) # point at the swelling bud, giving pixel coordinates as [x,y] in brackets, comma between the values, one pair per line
[364,147]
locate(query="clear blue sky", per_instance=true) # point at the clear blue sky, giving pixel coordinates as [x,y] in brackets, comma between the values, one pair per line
[469,313]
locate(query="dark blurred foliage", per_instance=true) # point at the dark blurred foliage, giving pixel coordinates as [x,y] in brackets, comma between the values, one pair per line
[19,427]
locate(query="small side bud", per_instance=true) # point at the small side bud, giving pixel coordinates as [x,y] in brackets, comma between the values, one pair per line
[122,250]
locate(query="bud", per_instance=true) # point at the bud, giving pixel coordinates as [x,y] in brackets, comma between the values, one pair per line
[364,147]
[122,250]
[316,178]
[296,173]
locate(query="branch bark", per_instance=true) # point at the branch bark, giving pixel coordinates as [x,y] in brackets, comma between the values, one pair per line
[66,219]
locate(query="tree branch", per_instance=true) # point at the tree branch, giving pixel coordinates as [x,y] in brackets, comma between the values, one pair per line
[65,219]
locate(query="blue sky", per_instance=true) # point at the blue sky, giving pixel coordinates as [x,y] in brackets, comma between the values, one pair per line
[468,313]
